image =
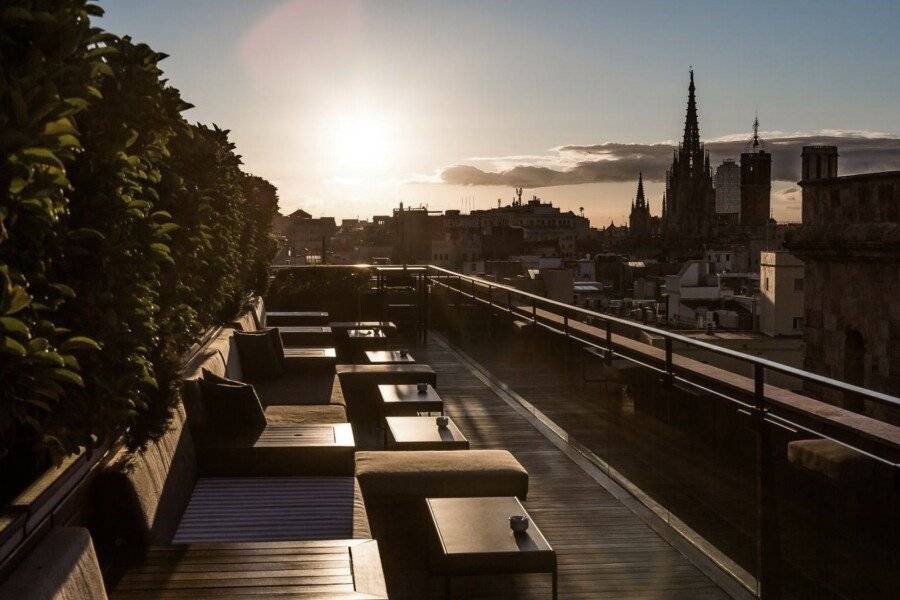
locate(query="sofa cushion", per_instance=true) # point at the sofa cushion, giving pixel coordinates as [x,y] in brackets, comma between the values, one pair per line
[302,414]
[266,509]
[386,475]
[231,406]
[261,353]
[62,567]
[191,394]
[138,499]
[296,388]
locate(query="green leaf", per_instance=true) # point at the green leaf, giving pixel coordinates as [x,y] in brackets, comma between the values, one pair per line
[67,376]
[12,325]
[86,234]
[80,342]
[60,127]
[161,215]
[64,290]
[42,155]
[11,346]
[17,299]
[17,185]
[101,51]
[51,358]
[16,15]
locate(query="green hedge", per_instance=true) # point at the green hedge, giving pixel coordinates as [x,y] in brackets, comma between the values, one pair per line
[125,231]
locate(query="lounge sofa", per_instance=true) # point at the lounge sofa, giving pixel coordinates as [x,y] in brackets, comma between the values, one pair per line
[159,495]
[302,395]
[62,566]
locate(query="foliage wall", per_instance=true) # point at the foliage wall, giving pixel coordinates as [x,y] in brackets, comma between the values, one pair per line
[125,231]
[337,289]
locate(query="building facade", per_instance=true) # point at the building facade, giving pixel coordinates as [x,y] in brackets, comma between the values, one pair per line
[728,191]
[689,205]
[756,183]
[850,245]
[781,294]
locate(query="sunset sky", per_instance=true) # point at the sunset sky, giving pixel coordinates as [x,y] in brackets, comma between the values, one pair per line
[351,107]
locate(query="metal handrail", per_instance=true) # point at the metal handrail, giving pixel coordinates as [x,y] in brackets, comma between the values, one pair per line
[876,396]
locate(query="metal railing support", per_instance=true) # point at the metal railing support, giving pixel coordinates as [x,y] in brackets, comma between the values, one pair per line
[670,374]
[609,345]
[768,545]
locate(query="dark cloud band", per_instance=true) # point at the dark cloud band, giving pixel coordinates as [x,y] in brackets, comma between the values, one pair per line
[620,162]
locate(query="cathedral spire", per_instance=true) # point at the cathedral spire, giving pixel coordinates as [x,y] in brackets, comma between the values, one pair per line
[639,199]
[691,141]
[756,132]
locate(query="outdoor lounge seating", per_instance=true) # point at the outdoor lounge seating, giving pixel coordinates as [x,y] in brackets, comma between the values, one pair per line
[159,495]
[62,566]
[359,384]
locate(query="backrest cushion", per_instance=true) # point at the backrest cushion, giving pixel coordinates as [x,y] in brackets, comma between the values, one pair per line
[231,406]
[224,342]
[62,567]
[261,353]
[211,360]
[246,321]
[140,495]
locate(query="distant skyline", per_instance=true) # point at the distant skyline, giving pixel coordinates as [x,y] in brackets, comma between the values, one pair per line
[352,107]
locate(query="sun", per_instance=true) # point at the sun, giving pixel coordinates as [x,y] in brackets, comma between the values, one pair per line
[361,143]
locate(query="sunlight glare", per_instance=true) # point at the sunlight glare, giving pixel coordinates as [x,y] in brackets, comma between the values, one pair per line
[361,143]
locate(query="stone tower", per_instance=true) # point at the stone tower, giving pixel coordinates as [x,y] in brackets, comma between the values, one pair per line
[639,219]
[756,183]
[689,212]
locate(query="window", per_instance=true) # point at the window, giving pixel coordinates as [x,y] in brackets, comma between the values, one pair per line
[767,284]
[798,284]
[798,322]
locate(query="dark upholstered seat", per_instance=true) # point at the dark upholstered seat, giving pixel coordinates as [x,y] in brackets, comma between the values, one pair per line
[305,414]
[141,498]
[63,566]
[252,509]
[387,475]
[360,385]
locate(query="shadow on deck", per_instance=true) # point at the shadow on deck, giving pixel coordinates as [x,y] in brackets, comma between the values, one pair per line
[605,550]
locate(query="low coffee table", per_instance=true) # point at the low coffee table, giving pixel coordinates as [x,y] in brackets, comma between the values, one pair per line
[389,357]
[473,538]
[313,449]
[422,433]
[306,335]
[405,399]
[296,318]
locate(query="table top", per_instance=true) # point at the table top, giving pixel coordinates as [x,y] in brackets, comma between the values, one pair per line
[304,329]
[337,434]
[408,392]
[388,357]
[423,431]
[297,313]
[368,334]
[314,352]
[474,532]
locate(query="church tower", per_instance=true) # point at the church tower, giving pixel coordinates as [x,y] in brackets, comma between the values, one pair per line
[756,183]
[689,210]
[639,219]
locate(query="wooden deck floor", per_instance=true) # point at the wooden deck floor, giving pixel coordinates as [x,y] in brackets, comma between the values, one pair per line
[604,549]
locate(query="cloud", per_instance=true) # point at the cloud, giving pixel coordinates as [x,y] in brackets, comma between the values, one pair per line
[860,151]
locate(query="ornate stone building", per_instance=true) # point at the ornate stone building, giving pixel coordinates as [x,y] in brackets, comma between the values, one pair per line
[850,245]
[756,183]
[639,219]
[689,206]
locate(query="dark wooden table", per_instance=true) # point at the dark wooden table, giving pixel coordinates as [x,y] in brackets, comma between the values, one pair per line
[389,357]
[307,335]
[296,318]
[310,449]
[473,537]
[422,433]
[406,400]
[328,569]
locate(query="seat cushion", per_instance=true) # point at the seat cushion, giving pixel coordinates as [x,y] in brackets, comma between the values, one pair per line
[312,387]
[280,414]
[261,353]
[385,475]
[832,460]
[231,406]
[62,567]
[267,509]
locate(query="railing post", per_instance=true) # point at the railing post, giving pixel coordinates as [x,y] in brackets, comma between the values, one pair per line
[768,545]
[534,312]
[670,375]
[609,346]
[426,312]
